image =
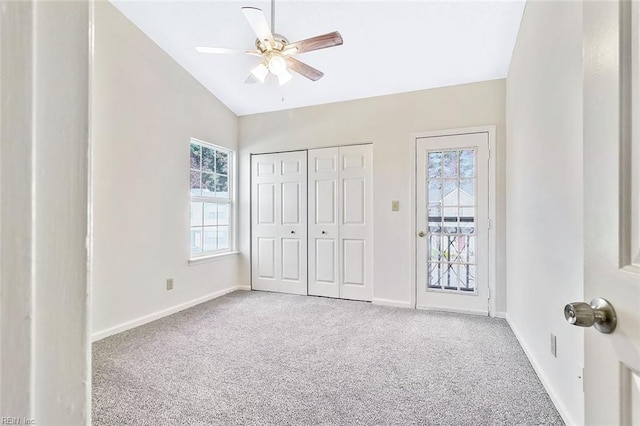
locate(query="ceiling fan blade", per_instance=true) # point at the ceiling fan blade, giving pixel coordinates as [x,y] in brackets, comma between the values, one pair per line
[258,23]
[314,43]
[224,50]
[304,69]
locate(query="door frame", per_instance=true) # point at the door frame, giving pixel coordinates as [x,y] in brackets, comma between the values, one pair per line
[491,132]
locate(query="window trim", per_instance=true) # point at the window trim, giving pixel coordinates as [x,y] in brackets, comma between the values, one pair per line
[196,258]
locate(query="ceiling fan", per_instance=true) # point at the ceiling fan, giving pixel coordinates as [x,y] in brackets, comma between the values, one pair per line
[276,51]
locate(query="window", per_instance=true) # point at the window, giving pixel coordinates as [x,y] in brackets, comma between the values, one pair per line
[211,223]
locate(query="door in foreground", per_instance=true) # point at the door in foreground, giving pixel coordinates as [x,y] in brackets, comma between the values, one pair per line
[612,209]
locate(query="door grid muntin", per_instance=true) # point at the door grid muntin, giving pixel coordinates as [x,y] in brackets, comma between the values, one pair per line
[452,220]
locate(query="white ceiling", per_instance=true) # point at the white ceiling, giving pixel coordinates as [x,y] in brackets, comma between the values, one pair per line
[389,46]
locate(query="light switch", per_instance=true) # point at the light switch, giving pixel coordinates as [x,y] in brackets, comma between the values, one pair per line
[395,205]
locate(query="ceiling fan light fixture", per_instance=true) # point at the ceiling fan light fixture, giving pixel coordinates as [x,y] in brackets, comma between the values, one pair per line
[277,65]
[284,77]
[260,72]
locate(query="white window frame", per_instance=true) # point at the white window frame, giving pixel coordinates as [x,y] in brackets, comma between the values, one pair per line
[230,201]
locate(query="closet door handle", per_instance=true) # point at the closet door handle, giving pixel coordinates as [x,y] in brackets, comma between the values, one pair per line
[293,232]
[324,232]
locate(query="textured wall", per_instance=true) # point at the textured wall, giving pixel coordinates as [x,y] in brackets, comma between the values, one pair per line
[544,195]
[145,110]
[388,122]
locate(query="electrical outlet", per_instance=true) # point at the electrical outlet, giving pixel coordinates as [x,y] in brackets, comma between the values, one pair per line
[395,205]
[554,346]
[169,283]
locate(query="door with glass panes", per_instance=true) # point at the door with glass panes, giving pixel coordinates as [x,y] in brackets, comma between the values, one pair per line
[452,177]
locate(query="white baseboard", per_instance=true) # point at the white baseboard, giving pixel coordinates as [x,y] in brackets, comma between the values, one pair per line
[502,315]
[163,313]
[562,409]
[394,303]
[456,311]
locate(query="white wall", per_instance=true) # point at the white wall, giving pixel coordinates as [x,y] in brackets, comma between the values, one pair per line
[145,109]
[388,122]
[544,195]
[45,370]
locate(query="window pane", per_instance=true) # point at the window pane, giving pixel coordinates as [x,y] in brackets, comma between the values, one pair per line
[208,159]
[467,193]
[222,160]
[435,192]
[195,183]
[435,219]
[450,196]
[196,213]
[223,214]
[466,163]
[451,164]
[196,240]
[195,156]
[468,277]
[222,186]
[223,237]
[210,214]
[435,164]
[208,185]
[209,240]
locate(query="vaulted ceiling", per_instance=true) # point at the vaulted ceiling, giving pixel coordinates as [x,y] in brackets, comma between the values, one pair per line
[389,46]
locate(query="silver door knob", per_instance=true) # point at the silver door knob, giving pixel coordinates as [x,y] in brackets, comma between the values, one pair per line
[421,234]
[599,313]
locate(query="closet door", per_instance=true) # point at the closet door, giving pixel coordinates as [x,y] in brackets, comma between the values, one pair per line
[279,222]
[355,217]
[323,222]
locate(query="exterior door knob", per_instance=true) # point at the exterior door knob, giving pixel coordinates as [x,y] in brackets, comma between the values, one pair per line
[421,234]
[599,313]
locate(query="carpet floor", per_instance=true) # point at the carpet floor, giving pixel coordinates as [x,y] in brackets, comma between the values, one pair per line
[259,358]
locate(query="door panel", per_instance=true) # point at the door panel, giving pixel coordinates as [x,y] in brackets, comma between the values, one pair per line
[453,220]
[610,155]
[291,203]
[291,259]
[323,225]
[356,222]
[325,202]
[279,222]
[325,261]
[267,258]
[353,262]
[266,204]
[353,201]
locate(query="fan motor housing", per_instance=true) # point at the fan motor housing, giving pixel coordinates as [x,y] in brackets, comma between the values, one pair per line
[280,42]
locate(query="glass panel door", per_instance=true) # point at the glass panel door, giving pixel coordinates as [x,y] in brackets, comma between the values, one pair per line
[452,218]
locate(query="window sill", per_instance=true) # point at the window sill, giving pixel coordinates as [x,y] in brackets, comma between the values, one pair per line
[211,258]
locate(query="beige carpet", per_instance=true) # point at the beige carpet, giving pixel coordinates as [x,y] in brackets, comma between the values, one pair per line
[265,359]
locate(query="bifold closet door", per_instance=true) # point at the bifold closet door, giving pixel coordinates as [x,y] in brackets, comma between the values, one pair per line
[323,223]
[341,222]
[279,222]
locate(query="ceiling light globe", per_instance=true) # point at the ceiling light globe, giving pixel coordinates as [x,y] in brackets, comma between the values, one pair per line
[277,65]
